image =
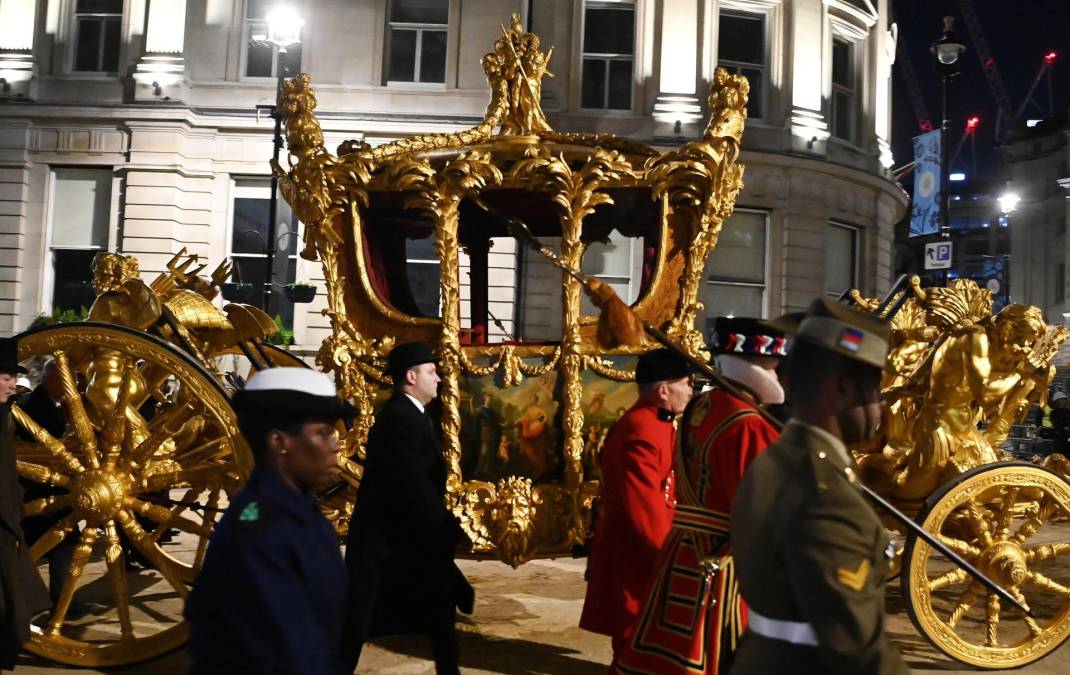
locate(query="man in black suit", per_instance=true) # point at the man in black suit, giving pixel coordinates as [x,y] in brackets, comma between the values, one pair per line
[22,593]
[402,538]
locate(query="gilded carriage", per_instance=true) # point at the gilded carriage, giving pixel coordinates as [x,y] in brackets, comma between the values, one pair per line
[149,445]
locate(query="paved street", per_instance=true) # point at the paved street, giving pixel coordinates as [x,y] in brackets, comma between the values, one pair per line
[525,622]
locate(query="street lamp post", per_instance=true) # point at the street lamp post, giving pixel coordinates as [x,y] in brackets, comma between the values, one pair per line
[283,31]
[947,51]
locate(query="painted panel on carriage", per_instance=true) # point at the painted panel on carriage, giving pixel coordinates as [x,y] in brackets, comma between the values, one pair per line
[516,431]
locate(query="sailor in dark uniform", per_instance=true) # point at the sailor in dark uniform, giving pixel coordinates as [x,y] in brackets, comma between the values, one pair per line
[271,597]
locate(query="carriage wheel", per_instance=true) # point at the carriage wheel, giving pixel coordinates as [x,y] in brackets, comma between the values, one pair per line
[149,448]
[1001,518]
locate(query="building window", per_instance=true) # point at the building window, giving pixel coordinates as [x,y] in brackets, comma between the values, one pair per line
[261,58]
[422,270]
[608,55]
[97,35]
[416,41]
[843,89]
[741,49]
[81,211]
[841,258]
[735,271]
[248,244]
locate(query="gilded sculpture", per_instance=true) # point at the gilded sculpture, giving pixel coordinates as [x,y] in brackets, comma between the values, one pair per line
[961,377]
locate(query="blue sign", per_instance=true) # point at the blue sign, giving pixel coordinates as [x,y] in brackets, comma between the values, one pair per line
[925,212]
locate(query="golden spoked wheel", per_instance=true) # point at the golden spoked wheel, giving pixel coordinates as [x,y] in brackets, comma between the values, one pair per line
[1009,521]
[137,478]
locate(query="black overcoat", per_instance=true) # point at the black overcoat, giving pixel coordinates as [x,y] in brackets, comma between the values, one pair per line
[22,593]
[402,578]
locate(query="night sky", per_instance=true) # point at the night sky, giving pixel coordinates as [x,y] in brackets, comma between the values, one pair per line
[1019,33]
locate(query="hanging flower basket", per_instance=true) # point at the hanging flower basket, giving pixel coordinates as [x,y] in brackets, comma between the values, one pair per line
[299,293]
[237,291]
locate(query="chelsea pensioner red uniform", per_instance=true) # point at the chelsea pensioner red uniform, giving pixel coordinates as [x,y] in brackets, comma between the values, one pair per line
[635,516]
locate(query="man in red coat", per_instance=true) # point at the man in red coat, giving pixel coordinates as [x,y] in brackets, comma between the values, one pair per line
[691,616]
[638,496]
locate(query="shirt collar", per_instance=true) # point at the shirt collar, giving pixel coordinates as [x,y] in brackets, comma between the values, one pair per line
[267,485]
[419,406]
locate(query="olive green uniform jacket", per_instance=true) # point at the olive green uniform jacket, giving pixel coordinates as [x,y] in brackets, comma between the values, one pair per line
[809,548]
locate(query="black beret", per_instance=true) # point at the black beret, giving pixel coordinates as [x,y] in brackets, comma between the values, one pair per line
[661,364]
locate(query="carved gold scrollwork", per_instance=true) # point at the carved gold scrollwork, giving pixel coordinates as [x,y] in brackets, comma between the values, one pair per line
[605,368]
[700,181]
[511,365]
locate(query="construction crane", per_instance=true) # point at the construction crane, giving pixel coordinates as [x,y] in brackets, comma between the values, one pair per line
[1004,108]
[906,69]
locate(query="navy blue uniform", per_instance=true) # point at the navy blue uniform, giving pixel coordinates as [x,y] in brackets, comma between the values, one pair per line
[271,597]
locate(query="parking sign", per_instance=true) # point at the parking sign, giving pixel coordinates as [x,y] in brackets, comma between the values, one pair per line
[938,255]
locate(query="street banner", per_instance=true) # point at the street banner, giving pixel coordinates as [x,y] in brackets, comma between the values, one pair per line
[925,211]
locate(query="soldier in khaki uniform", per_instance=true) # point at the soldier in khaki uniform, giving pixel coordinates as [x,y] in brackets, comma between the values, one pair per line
[810,553]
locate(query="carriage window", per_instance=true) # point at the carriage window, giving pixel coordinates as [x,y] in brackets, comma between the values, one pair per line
[422,268]
[735,271]
[617,262]
[539,295]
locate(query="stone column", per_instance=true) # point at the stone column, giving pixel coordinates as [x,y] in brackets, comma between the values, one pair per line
[161,72]
[678,75]
[809,129]
[17,65]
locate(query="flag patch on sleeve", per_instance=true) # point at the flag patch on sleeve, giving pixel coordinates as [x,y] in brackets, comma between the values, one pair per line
[851,339]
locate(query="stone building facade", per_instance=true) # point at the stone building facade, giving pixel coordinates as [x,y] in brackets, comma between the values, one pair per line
[1039,163]
[131,125]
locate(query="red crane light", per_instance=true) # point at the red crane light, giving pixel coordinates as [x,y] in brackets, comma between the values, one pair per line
[1050,57]
[972,122]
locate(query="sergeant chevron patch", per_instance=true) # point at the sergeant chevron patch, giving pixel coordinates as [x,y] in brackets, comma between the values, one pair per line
[854,580]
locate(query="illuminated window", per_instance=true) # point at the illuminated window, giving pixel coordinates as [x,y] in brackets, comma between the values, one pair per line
[608,55]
